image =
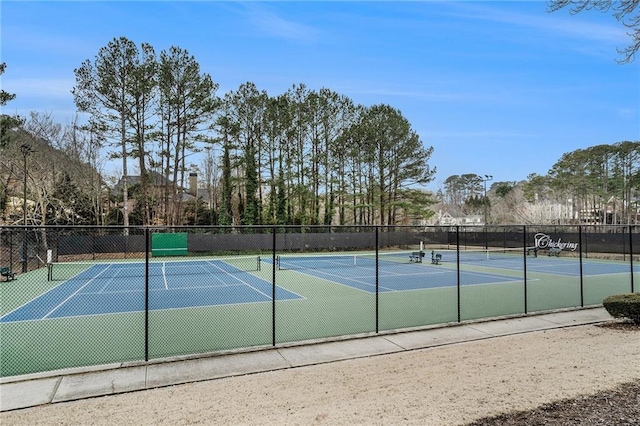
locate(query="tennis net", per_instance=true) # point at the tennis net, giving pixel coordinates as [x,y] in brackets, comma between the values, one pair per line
[473,255]
[61,271]
[322,261]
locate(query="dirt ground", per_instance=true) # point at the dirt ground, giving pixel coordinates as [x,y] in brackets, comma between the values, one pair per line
[580,375]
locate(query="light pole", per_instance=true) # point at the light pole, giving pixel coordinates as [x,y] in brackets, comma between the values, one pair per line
[486,179]
[26,150]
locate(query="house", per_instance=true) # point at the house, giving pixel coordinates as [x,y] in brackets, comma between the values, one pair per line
[156,179]
[194,192]
[452,216]
[159,182]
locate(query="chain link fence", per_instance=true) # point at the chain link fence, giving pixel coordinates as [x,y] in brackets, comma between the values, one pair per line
[81,296]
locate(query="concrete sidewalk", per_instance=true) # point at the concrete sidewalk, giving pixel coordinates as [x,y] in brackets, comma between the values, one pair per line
[65,385]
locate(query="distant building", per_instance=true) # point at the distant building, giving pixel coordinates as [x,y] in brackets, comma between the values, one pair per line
[157,187]
[155,179]
[610,213]
[194,192]
[453,216]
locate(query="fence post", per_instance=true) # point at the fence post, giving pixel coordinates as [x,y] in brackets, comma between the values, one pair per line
[273,288]
[377,283]
[25,264]
[458,267]
[581,271]
[631,257]
[486,237]
[524,255]
[11,249]
[147,249]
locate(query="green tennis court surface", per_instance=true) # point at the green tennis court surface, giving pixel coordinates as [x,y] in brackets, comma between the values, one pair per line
[208,305]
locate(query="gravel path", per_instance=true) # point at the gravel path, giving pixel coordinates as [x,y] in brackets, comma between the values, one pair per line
[450,385]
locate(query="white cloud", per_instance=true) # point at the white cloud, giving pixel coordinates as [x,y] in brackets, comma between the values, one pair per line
[627,112]
[401,93]
[35,87]
[478,134]
[580,27]
[30,40]
[272,24]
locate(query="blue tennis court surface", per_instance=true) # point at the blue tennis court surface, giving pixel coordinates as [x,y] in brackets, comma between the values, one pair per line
[396,272]
[565,266]
[106,288]
[120,287]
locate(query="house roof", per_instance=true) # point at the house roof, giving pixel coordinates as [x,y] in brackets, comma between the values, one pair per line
[156,178]
[159,180]
[201,193]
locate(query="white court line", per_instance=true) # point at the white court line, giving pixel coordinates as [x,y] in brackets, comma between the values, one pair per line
[218,284]
[164,276]
[319,274]
[108,283]
[75,292]
[157,290]
[220,280]
[242,281]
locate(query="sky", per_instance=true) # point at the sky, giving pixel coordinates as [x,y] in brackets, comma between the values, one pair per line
[499,88]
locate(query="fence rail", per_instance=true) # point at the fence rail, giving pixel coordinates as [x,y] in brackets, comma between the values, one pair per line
[92,295]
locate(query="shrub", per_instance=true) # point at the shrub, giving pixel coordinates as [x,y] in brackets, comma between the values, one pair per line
[624,306]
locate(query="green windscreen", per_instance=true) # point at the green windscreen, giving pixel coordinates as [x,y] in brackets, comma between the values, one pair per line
[169,244]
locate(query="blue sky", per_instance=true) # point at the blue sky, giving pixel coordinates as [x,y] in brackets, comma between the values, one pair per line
[501,88]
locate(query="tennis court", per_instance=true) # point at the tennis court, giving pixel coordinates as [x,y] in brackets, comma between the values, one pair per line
[98,302]
[396,271]
[513,259]
[106,288]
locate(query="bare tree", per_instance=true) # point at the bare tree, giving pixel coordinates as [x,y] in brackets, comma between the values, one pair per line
[624,11]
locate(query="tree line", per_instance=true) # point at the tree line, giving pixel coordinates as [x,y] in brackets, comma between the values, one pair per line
[590,180]
[302,157]
[592,177]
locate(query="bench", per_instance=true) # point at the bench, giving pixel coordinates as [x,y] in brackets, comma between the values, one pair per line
[436,258]
[6,272]
[416,256]
[554,251]
[532,250]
